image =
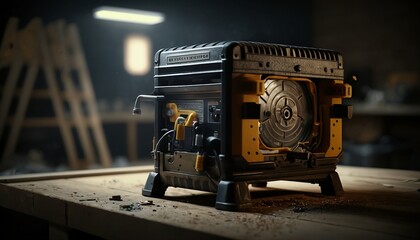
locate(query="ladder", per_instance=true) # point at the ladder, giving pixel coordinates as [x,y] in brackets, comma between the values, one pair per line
[56,50]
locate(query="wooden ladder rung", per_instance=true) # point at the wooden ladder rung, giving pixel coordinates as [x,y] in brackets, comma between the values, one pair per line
[56,47]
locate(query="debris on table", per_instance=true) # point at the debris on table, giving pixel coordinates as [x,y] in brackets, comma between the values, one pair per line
[88,199]
[146,203]
[116,198]
[299,209]
[130,207]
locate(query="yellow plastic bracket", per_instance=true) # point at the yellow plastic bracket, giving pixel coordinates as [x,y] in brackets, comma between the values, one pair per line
[191,115]
[199,163]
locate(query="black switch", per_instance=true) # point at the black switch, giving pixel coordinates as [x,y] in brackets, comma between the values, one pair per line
[250,110]
[341,111]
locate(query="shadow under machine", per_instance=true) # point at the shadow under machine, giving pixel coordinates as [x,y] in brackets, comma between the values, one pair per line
[229,114]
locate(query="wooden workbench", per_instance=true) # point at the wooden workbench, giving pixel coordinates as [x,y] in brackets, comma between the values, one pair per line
[377,204]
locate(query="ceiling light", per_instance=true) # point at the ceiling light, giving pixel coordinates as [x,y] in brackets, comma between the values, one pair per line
[137,54]
[128,15]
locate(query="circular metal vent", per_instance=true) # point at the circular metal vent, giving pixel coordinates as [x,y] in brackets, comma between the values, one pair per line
[286,113]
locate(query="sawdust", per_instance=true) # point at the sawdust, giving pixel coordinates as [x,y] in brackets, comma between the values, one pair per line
[303,203]
[379,205]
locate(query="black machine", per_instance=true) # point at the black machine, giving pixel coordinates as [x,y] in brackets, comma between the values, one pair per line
[230,114]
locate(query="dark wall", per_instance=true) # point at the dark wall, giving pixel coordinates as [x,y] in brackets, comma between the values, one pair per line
[187,22]
[379,41]
[380,44]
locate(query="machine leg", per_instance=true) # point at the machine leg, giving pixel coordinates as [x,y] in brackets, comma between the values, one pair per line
[154,187]
[332,185]
[232,196]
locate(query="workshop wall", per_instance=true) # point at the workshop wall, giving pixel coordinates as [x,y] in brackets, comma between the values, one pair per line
[187,22]
[379,42]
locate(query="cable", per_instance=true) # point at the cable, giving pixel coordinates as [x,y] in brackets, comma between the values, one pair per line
[216,155]
[212,180]
[158,142]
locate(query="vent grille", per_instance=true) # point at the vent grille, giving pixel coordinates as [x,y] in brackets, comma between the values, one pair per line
[289,51]
[262,48]
[271,49]
[322,54]
[195,46]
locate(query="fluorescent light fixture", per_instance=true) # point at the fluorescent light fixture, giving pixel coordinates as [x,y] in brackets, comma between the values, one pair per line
[128,15]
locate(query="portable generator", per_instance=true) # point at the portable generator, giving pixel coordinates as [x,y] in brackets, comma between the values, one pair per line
[230,114]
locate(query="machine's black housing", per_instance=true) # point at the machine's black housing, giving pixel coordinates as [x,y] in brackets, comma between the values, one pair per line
[201,82]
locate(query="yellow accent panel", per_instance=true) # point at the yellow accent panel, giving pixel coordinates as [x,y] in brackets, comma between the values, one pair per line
[335,101]
[199,163]
[180,132]
[335,147]
[245,140]
[349,91]
[341,90]
[336,138]
[250,141]
[253,87]
[248,98]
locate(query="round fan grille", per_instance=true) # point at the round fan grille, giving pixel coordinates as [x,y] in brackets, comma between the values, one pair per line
[286,113]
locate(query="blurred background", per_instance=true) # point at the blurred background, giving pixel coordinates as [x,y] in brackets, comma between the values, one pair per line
[378,39]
